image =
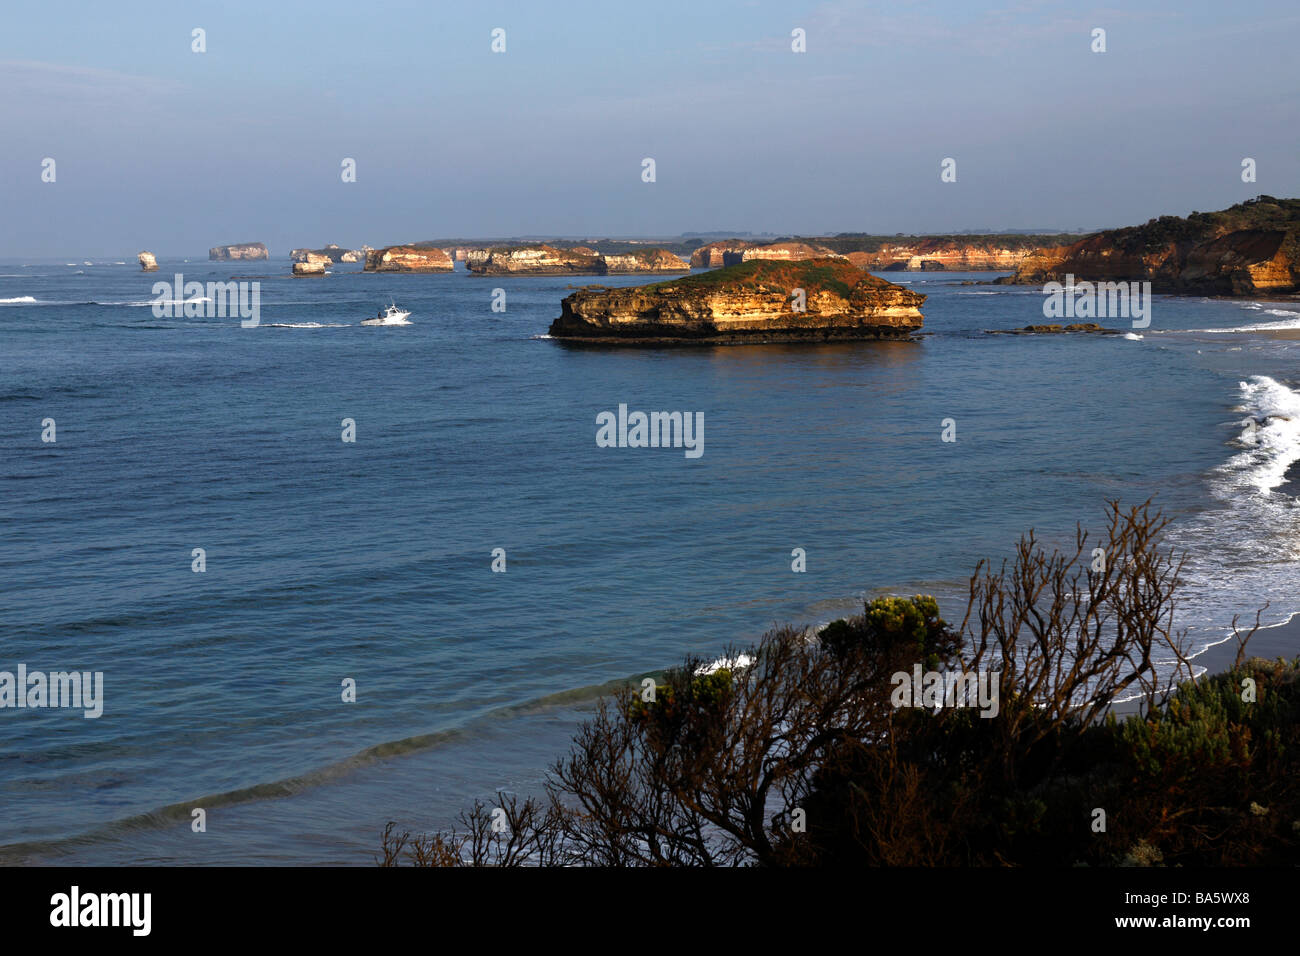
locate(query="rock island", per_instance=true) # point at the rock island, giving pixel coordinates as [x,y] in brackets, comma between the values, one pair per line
[754,302]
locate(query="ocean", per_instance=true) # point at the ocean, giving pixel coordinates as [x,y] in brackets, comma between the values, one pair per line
[327,561]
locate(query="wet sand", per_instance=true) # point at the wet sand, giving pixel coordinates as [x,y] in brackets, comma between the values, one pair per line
[1270,643]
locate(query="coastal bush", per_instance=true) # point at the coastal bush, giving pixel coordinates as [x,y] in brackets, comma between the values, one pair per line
[800,751]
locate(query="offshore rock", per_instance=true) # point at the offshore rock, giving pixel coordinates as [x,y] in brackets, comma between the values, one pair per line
[751,302]
[241,250]
[408,259]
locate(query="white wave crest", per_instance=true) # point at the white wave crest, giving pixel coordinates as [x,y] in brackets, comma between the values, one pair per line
[1291,322]
[1271,436]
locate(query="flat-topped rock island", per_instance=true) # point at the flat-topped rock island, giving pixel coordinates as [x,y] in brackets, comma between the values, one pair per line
[755,302]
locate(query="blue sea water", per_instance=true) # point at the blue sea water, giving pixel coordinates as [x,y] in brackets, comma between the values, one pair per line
[371,560]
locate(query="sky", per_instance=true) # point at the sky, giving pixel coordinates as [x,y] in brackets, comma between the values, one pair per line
[158,147]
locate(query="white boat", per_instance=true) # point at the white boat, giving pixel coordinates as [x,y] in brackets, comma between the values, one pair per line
[390,316]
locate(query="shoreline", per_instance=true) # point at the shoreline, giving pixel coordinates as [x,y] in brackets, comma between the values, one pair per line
[1270,642]
[362,769]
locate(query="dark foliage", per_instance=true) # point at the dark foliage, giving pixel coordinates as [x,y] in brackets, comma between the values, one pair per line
[800,751]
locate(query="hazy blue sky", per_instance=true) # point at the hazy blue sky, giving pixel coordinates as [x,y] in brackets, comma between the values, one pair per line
[158,147]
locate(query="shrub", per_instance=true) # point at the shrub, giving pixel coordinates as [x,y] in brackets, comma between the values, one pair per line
[796,755]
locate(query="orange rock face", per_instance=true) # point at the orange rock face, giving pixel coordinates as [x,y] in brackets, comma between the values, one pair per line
[649,260]
[935,254]
[710,256]
[780,252]
[408,259]
[534,260]
[1204,254]
[731,252]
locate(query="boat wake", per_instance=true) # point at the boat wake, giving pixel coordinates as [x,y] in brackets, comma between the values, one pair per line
[309,325]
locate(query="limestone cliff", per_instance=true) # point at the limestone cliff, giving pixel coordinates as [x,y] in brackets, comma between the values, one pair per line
[647,260]
[751,302]
[147,262]
[242,250]
[534,260]
[1251,248]
[313,265]
[408,259]
[780,252]
[710,256]
[936,254]
[331,252]
[549,260]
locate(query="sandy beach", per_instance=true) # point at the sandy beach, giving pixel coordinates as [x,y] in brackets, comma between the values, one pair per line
[1282,640]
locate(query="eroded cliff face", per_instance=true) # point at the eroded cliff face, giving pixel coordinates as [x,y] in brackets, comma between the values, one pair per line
[1246,262]
[932,255]
[751,302]
[1204,254]
[548,260]
[648,260]
[241,250]
[534,260]
[779,252]
[710,256]
[313,265]
[331,252]
[408,259]
[147,262]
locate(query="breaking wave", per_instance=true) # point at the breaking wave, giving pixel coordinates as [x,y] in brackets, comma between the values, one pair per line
[1290,320]
[135,303]
[1247,545]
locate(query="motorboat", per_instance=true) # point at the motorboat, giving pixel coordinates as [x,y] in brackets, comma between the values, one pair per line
[392,315]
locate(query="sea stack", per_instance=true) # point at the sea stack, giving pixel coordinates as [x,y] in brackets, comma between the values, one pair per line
[313,265]
[240,250]
[754,302]
[147,262]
